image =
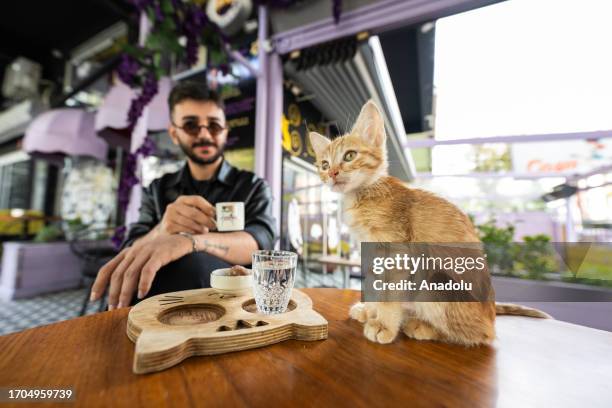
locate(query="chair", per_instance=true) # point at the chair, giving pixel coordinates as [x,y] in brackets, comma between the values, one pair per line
[94,248]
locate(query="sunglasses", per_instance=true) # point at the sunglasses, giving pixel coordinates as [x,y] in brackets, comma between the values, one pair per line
[193,128]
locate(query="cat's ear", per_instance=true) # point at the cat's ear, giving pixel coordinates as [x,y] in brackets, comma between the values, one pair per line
[319,143]
[370,125]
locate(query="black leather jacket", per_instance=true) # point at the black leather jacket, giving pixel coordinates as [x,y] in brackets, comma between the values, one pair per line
[229,184]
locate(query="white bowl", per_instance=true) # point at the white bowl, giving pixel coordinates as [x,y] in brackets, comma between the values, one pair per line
[222,282]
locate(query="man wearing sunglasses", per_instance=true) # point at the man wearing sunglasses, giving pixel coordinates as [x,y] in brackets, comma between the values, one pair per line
[173,245]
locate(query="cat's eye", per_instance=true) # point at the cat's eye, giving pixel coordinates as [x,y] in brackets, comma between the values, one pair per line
[350,155]
[324,165]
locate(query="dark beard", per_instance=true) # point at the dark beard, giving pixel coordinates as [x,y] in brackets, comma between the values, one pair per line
[189,151]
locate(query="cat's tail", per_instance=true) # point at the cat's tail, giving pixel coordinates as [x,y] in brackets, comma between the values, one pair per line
[518,310]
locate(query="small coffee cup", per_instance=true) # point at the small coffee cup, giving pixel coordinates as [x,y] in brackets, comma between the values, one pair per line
[230,216]
[224,281]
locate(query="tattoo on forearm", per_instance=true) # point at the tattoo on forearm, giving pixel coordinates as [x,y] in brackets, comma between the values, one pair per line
[211,245]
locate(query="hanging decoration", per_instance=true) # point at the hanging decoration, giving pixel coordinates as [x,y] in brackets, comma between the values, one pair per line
[229,15]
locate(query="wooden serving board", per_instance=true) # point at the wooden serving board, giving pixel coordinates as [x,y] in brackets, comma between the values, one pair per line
[171,327]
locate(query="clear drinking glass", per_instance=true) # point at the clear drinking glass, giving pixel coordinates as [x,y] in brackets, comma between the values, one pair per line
[273,279]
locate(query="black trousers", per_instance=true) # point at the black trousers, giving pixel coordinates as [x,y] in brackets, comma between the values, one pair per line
[189,272]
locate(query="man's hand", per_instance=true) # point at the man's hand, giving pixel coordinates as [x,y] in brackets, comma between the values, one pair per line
[188,214]
[135,267]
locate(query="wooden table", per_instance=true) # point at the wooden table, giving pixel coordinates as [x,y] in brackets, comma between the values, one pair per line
[534,363]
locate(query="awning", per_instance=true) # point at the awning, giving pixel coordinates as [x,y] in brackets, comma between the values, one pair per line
[111,119]
[64,132]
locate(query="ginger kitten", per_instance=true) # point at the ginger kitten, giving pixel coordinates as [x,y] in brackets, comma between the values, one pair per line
[380,208]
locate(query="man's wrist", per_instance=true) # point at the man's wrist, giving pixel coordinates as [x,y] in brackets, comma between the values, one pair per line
[191,238]
[157,231]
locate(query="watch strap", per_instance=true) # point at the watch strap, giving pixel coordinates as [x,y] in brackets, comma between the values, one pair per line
[191,238]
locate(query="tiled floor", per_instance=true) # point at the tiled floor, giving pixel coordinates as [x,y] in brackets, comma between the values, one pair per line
[37,311]
[40,310]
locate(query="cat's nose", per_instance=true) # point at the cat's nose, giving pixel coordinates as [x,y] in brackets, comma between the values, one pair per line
[333,173]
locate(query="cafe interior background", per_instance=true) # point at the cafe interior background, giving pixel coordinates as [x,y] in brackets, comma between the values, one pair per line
[503,109]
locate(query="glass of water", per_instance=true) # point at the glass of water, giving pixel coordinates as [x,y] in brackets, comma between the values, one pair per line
[273,279]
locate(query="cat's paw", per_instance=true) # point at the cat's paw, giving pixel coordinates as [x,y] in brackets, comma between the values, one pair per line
[358,312]
[375,331]
[419,330]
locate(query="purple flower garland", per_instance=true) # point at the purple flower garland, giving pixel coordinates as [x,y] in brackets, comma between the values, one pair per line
[129,180]
[337,10]
[195,20]
[128,71]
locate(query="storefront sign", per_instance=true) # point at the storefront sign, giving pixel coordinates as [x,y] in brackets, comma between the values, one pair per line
[575,156]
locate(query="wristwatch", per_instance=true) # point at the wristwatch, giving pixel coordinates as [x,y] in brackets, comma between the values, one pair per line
[187,235]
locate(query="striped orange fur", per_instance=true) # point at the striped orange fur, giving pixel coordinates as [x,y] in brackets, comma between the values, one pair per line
[381,208]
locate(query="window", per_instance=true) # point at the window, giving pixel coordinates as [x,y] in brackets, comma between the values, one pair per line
[15,185]
[524,67]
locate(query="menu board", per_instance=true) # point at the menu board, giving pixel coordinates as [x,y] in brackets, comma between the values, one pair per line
[239,99]
[238,92]
[240,114]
